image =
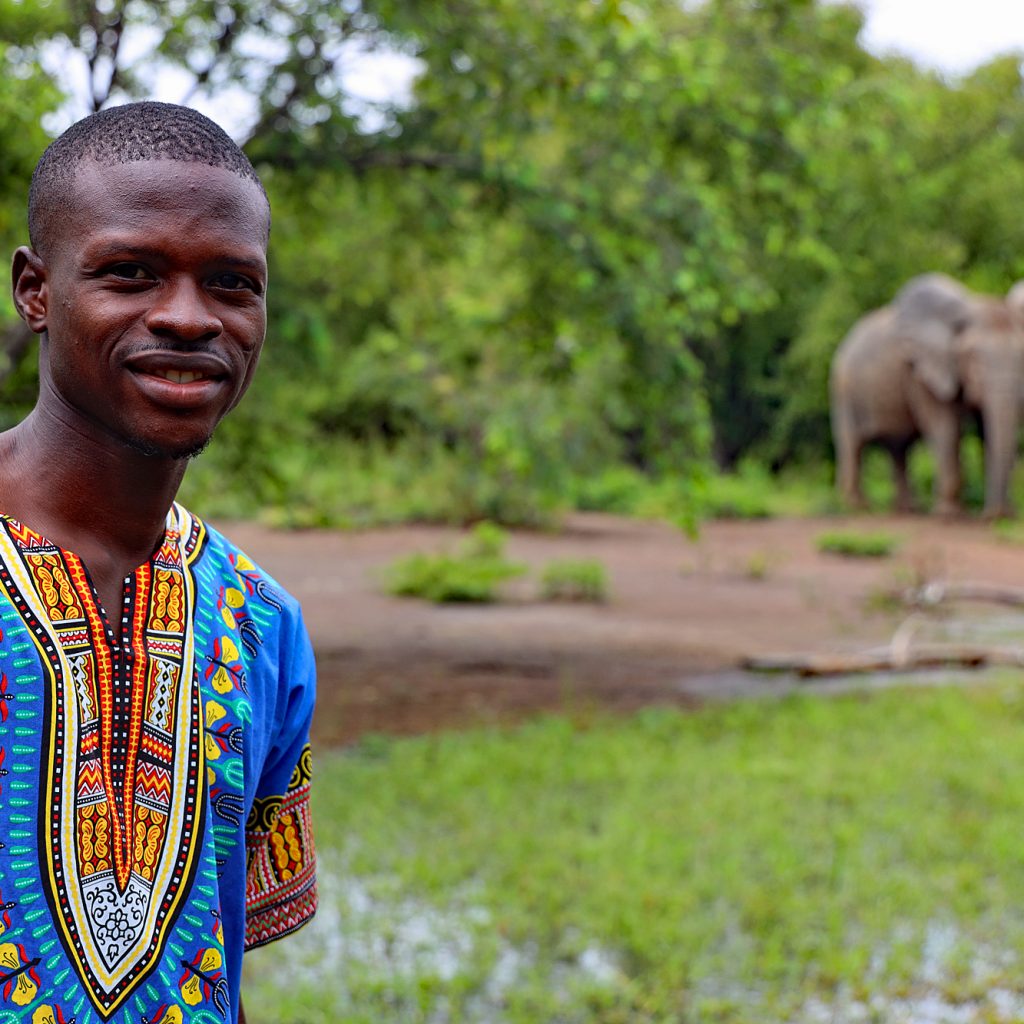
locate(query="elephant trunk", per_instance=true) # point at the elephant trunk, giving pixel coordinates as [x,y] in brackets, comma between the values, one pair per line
[1000,417]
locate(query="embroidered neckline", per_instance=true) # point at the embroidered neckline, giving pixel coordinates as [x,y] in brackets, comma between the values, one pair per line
[122,752]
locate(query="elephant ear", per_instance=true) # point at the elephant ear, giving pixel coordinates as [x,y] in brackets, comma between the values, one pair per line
[931,312]
[933,357]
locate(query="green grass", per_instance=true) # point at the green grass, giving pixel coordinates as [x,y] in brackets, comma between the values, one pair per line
[572,579]
[740,864]
[856,544]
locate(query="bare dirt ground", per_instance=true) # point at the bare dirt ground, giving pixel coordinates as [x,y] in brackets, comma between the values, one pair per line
[681,614]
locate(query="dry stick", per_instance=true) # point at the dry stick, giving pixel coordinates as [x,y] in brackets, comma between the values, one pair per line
[925,656]
[935,593]
[898,656]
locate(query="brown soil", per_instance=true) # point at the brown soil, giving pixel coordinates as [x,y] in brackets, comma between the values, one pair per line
[680,615]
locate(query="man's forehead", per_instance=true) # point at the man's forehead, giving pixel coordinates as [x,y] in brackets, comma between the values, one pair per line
[165,182]
[103,197]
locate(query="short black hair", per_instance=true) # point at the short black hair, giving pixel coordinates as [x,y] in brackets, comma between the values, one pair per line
[125,134]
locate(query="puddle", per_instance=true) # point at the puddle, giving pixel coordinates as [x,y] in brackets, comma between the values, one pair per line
[949,961]
[366,935]
[368,938]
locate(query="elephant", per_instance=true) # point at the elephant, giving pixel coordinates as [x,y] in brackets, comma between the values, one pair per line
[916,369]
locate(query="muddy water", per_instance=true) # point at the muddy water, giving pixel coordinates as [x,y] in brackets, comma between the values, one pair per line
[369,937]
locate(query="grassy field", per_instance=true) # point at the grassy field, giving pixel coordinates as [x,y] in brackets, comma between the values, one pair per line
[814,860]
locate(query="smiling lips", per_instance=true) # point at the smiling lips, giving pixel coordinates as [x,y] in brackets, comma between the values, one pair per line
[179,376]
[180,369]
[178,380]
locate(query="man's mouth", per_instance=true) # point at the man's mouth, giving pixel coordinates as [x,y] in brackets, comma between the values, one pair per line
[178,376]
[181,381]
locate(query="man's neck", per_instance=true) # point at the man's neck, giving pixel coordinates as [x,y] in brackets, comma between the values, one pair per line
[88,494]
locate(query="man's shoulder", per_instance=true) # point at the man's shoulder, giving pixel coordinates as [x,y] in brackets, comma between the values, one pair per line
[220,565]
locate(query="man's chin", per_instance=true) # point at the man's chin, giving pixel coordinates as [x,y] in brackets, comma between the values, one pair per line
[177,453]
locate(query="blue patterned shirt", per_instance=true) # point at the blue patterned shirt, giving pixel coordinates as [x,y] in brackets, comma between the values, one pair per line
[154,791]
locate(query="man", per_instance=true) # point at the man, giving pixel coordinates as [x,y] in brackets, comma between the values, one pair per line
[156,686]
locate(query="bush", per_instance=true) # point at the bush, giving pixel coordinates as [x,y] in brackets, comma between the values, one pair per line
[744,495]
[473,572]
[575,580]
[857,545]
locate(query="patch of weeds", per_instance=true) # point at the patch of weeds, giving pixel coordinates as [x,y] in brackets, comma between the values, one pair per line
[1010,531]
[573,579]
[852,544]
[883,600]
[757,565]
[473,572]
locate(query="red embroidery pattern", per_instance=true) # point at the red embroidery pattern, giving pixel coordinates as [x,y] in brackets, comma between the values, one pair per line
[280,889]
[123,746]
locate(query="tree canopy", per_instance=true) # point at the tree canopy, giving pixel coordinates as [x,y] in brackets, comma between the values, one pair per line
[598,232]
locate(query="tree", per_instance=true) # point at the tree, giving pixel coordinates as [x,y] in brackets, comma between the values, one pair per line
[598,231]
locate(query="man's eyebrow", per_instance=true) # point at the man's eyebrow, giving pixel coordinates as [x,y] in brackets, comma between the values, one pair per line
[131,250]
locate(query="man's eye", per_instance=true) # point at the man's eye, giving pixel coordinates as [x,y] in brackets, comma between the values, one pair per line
[130,272]
[233,282]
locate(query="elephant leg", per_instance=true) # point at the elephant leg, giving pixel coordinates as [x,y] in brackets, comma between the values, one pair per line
[850,465]
[849,458]
[903,501]
[944,439]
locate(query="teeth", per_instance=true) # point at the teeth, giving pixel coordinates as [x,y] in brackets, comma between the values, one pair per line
[181,376]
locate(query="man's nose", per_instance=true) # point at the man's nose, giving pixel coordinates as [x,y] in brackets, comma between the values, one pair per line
[182,310]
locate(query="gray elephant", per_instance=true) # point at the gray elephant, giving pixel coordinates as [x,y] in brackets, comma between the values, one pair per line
[915,369]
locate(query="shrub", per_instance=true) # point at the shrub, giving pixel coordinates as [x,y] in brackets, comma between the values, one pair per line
[857,545]
[575,580]
[473,572]
[740,496]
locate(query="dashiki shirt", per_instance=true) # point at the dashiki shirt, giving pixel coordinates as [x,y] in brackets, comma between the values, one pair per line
[154,811]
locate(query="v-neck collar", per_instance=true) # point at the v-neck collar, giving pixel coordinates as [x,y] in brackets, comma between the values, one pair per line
[167,550]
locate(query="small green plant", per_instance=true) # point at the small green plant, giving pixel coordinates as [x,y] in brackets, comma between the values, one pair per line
[883,600]
[575,580]
[1009,531]
[851,544]
[472,572]
[757,566]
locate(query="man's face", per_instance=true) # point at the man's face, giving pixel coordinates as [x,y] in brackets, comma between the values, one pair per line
[154,301]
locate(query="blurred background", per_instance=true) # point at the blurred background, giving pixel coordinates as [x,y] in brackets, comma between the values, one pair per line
[531,257]
[555,289]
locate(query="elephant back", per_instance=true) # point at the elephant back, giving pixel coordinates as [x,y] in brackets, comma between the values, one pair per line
[866,352]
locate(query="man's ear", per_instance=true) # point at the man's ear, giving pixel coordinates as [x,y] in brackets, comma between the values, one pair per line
[30,287]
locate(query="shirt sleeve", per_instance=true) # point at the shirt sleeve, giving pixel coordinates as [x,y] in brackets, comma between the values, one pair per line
[280,860]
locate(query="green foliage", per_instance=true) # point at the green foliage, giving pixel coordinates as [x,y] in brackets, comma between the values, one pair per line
[798,860]
[537,275]
[740,496]
[471,573]
[574,580]
[854,544]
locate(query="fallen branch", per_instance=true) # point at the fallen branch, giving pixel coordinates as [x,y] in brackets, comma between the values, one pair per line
[924,656]
[935,593]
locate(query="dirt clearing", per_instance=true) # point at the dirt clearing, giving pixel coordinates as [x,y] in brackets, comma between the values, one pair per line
[681,614]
